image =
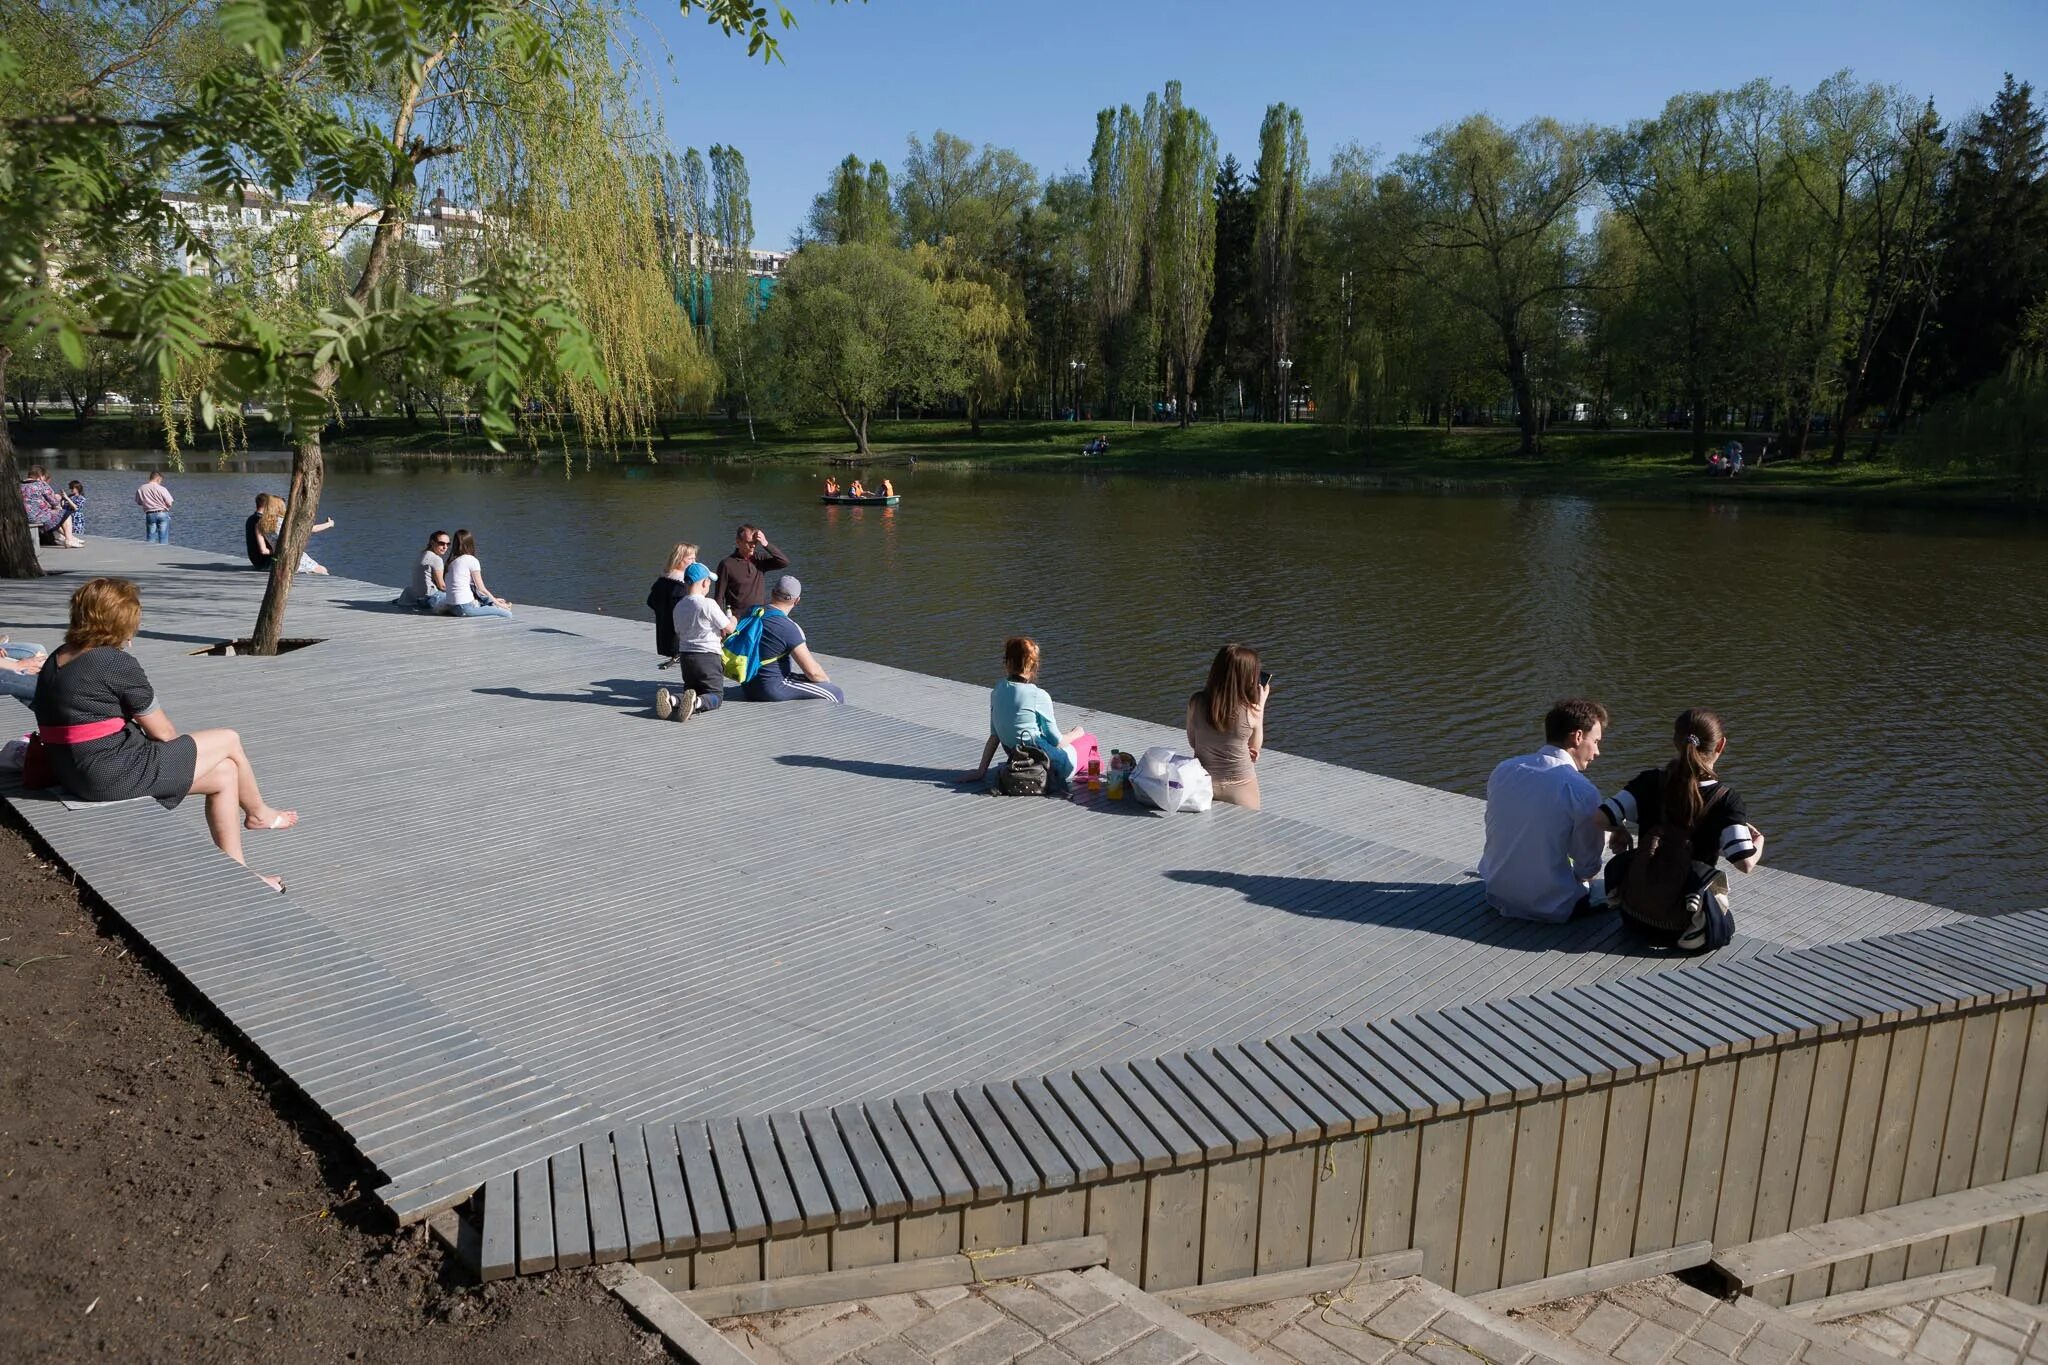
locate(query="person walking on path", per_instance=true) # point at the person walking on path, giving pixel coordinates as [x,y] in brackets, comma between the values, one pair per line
[109,740]
[155,501]
[787,672]
[1543,836]
[743,574]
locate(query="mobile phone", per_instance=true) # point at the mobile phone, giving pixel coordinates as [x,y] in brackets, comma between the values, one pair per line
[1265,678]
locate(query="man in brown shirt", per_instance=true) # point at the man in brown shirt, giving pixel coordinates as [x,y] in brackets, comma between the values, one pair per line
[743,574]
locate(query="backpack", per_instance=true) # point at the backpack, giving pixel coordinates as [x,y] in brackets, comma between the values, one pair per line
[1659,872]
[741,653]
[1028,773]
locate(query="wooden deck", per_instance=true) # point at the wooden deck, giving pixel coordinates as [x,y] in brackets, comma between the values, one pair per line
[525,914]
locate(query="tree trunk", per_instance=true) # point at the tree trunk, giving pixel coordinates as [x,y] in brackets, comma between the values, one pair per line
[973,416]
[17,537]
[1525,407]
[1187,395]
[309,472]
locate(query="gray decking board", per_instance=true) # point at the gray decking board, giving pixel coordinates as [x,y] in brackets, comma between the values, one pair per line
[557,968]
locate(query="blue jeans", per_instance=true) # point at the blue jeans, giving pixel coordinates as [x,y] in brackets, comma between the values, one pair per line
[431,602]
[480,607]
[14,684]
[157,527]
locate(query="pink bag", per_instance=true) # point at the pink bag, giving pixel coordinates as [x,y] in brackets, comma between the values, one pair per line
[1086,750]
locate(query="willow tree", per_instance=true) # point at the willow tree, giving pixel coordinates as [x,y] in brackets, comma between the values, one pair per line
[514,103]
[1185,231]
[988,322]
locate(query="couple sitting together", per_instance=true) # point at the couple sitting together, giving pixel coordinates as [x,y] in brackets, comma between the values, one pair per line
[451,586]
[1545,824]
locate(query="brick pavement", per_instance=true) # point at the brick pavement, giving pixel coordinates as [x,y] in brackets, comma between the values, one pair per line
[1959,1329]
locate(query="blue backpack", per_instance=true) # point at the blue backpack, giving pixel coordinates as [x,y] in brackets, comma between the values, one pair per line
[742,649]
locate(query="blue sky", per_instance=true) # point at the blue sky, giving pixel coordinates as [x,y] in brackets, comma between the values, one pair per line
[1030,75]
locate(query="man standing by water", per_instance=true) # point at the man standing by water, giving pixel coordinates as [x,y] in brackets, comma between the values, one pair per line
[1542,842]
[155,501]
[743,574]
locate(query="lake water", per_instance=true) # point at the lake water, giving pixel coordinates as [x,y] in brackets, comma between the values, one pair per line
[1880,673]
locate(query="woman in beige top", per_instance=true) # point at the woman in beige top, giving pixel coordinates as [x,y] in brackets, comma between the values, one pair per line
[1227,724]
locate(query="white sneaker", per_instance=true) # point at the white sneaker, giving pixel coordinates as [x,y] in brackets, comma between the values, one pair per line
[664,703]
[686,705]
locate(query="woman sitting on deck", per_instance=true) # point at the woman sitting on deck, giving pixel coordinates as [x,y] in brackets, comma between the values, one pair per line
[1670,888]
[1226,724]
[47,511]
[668,590]
[1020,712]
[109,740]
[266,528]
[467,595]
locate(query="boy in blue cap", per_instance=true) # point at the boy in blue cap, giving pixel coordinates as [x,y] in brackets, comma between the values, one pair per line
[701,628]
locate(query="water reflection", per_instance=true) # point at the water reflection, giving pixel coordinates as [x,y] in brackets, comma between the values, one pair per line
[1877,670]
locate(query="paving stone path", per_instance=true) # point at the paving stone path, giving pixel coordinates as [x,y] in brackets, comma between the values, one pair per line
[1959,1329]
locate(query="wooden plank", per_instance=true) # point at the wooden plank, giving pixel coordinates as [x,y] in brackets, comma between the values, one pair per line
[849,1196]
[1227,1222]
[859,1245]
[1390,1189]
[1369,1104]
[1055,1216]
[1621,1170]
[1117,1154]
[1671,1097]
[572,1210]
[840,1286]
[1304,1083]
[1116,1213]
[700,1174]
[2029,1260]
[939,1158]
[919,1187]
[1576,1202]
[921,1236]
[1020,1176]
[1940,1076]
[885,1196]
[536,1218]
[1439,1196]
[1088,1164]
[1994,1138]
[1482,1220]
[1891,1152]
[498,1255]
[736,1179]
[2030,1113]
[1287,1191]
[1338,1218]
[1173,1071]
[1748,1125]
[1819,1149]
[1771,1258]
[1835,1307]
[807,1253]
[607,1214]
[636,1193]
[806,1180]
[1288,1284]
[1150,1150]
[1706,1149]
[1532,1191]
[671,1195]
[697,1340]
[981,1169]
[1596,1279]
[1173,1229]
[1000,1224]
[1784,1139]
[771,1179]
[1861,1120]
[1054,1171]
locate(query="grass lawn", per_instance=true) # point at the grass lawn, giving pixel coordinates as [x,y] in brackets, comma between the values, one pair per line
[1596,463]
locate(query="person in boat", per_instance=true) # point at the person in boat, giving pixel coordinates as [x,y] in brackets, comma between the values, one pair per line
[888,488]
[667,592]
[831,488]
[856,491]
[109,740]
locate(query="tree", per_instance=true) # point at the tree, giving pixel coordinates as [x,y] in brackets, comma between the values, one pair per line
[1276,196]
[1232,347]
[852,327]
[1493,226]
[988,322]
[855,207]
[1186,236]
[734,304]
[518,101]
[949,189]
[1120,214]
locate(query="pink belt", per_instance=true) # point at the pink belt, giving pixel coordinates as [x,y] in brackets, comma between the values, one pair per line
[81,734]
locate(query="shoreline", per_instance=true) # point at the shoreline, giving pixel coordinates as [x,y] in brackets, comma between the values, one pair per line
[1473,461]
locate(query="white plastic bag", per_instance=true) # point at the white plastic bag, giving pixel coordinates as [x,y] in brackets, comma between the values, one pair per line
[1172,781]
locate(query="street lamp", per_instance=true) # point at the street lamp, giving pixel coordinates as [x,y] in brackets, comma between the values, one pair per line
[1285,365]
[1079,368]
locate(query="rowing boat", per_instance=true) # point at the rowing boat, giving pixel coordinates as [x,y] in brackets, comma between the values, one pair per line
[868,500]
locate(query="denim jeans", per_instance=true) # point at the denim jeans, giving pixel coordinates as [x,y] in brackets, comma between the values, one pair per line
[14,684]
[480,607]
[431,602]
[157,527]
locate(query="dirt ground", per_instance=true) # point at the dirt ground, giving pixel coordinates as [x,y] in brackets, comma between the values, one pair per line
[164,1198]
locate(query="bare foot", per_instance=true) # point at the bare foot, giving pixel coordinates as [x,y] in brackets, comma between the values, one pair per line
[274,883]
[271,819]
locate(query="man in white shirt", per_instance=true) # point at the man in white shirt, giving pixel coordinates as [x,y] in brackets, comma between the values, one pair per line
[1543,841]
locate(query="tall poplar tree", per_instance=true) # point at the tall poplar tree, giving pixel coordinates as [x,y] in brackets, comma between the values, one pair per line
[1185,230]
[734,305]
[1277,195]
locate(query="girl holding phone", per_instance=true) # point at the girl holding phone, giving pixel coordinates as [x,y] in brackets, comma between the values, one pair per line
[1226,724]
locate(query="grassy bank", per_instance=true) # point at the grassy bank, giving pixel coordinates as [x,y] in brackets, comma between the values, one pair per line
[1595,463]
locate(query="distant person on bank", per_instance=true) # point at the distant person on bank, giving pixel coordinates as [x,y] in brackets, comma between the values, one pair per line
[699,628]
[1542,836]
[109,740]
[1020,713]
[743,574]
[666,595]
[74,498]
[787,672]
[427,589]
[46,508]
[1226,724]
[1685,802]
[155,501]
[467,595]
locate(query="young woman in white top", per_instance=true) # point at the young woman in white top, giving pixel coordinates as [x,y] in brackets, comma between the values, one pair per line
[467,595]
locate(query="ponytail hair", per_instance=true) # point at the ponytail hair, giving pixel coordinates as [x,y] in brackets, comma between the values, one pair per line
[1697,735]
